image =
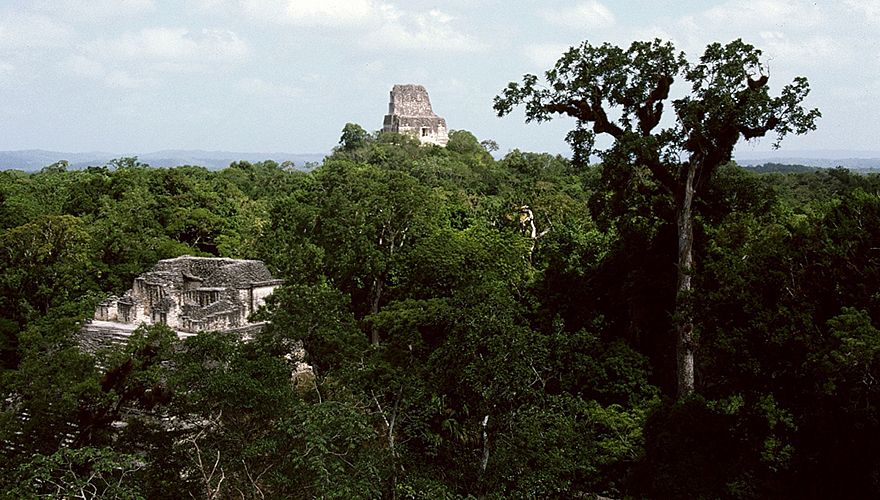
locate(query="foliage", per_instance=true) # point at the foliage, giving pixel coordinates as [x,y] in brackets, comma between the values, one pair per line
[475,328]
[79,473]
[621,93]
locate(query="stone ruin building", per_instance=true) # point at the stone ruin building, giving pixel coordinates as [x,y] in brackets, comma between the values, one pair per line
[192,295]
[189,295]
[409,111]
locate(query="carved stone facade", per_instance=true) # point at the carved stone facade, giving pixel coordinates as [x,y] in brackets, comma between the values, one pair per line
[409,111]
[193,294]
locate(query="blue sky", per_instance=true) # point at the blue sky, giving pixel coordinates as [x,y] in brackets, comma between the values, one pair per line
[132,76]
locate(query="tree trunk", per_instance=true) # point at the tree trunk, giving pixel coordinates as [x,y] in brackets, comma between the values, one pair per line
[527,224]
[684,321]
[375,297]
[485,461]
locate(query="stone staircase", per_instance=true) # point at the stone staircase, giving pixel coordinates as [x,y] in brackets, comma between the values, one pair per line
[96,335]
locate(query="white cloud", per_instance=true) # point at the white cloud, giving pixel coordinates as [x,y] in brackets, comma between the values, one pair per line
[814,51]
[440,17]
[174,46]
[869,9]
[312,77]
[118,78]
[312,12]
[376,67]
[137,59]
[262,88]
[588,15]
[93,10]
[84,67]
[213,5]
[834,44]
[7,72]
[431,31]
[796,31]
[23,30]
[545,55]
[779,13]
[377,24]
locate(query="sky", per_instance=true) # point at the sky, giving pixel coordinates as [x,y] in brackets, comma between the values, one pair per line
[135,76]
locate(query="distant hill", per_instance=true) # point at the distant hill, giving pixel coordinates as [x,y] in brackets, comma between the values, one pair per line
[780,168]
[35,159]
[853,160]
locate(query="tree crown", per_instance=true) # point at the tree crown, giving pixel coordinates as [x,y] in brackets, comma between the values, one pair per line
[622,93]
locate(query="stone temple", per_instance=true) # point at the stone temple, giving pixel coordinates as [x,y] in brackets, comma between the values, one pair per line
[189,295]
[409,111]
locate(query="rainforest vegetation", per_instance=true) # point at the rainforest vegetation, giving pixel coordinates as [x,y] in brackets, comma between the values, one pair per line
[478,327]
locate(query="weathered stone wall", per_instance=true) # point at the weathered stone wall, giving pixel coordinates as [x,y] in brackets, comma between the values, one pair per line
[189,295]
[410,112]
[410,100]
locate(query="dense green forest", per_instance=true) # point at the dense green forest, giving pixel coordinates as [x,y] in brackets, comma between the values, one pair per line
[478,328]
[503,365]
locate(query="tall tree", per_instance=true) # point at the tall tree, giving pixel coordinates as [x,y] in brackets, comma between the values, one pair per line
[622,93]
